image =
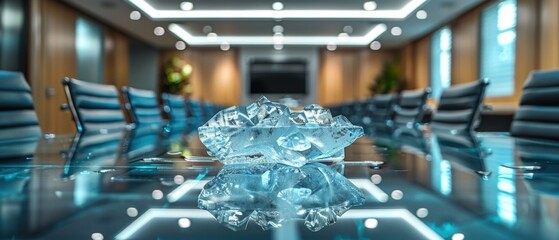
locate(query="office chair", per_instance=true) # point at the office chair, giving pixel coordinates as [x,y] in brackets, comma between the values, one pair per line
[19,127]
[409,110]
[383,111]
[175,107]
[196,113]
[538,113]
[95,107]
[460,107]
[142,106]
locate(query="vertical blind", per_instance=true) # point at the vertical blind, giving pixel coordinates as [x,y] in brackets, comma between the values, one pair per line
[498,41]
[441,46]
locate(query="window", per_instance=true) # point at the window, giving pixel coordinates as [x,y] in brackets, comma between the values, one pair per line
[441,46]
[498,41]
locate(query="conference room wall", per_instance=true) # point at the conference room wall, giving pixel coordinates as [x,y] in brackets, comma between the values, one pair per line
[345,74]
[215,74]
[52,56]
[537,47]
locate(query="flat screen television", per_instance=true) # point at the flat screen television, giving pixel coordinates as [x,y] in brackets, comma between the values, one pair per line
[278,77]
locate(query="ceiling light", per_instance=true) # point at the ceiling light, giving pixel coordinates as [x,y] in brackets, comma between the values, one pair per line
[97,236]
[397,195]
[396,31]
[159,31]
[348,29]
[375,45]
[277,6]
[278,29]
[184,223]
[370,5]
[187,6]
[343,37]
[184,35]
[422,212]
[278,46]
[331,46]
[135,15]
[401,13]
[224,46]
[180,45]
[458,236]
[212,37]
[132,212]
[421,14]
[371,223]
[207,29]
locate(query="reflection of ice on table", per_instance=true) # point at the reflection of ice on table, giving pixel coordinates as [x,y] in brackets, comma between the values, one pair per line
[271,194]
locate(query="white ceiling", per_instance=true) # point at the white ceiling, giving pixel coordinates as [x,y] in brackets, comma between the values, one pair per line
[116,13]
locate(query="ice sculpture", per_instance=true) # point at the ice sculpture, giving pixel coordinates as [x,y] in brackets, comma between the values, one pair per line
[271,194]
[268,132]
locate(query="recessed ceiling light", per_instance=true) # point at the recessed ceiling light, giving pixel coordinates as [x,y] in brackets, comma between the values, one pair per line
[187,6]
[371,223]
[375,45]
[278,37]
[278,29]
[159,31]
[180,45]
[212,37]
[421,14]
[184,223]
[207,29]
[343,37]
[396,31]
[348,29]
[224,46]
[278,46]
[135,15]
[331,46]
[277,6]
[370,5]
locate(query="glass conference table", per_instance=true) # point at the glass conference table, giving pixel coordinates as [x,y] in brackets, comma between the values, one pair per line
[138,185]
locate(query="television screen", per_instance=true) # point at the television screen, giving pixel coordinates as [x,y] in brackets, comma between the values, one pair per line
[278,77]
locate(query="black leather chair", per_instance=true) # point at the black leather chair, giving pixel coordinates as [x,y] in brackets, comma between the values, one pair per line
[142,106]
[410,108]
[175,107]
[196,113]
[459,107]
[538,113]
[95,107]
[382,112]
[19,127]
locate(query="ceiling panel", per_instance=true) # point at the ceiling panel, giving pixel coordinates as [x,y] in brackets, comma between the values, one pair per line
[116,13]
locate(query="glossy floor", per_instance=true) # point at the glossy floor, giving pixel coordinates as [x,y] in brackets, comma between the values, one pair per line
[137,185]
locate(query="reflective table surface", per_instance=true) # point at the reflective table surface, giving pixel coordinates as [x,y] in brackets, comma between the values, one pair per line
[154,184]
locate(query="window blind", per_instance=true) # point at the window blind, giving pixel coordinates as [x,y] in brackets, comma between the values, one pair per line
[498,41]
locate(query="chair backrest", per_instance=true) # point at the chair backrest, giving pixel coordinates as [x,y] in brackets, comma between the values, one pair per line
[382,114]
[538,113]
[19,127]
[196,117]
[410,108]
[175,107]
[142,106]
[95,107]
[460,107]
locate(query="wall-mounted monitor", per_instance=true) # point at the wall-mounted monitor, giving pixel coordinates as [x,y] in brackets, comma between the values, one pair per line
[267,76]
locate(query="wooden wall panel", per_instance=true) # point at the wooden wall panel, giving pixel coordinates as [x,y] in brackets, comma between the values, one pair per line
[407,60]
[422,62]
[465,48]
[549,40]
[55,58]
[215,76]
[345,75]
